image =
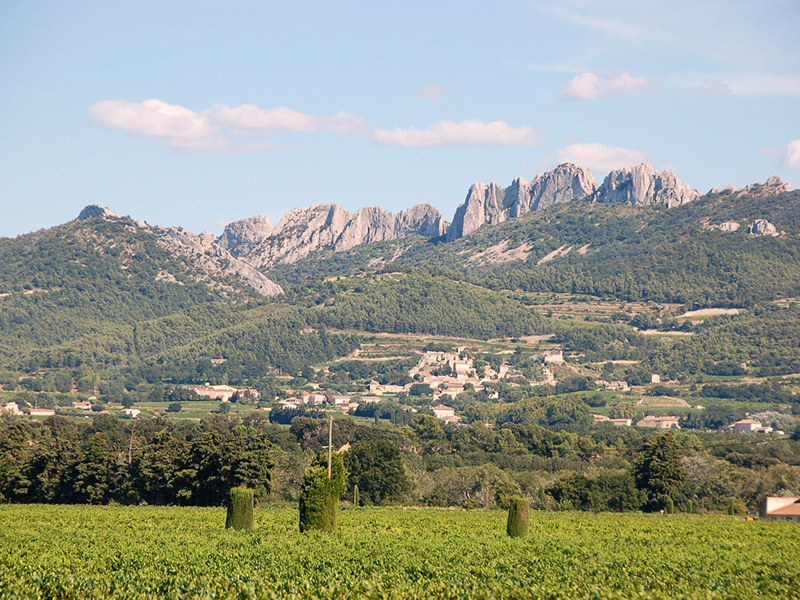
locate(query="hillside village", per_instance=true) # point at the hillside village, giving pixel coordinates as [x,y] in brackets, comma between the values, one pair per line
[438,379]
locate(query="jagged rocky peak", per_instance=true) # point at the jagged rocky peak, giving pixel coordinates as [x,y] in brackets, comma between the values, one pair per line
[489,204]
[302,231]
[95,210]
[240,236]
[642,185]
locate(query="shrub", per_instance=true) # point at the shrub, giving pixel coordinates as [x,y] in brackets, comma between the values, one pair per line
[240,509]
[517,525]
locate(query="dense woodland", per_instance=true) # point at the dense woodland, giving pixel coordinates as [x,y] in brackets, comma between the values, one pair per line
[196,463]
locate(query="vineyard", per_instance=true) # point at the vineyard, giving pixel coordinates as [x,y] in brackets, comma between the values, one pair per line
[104,552]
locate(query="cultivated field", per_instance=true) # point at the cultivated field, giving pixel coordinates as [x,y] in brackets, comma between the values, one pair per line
[147,552]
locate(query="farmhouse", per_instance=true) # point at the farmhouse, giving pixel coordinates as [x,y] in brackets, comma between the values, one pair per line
[749,426]
[216,392]
[554,357]
[442,412]
[42,412]
[12,407]
[781,509]
[659,422]
[82,405]
[339,400]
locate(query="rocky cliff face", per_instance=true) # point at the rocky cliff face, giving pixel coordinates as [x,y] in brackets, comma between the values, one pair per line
[489,204]
[642,185]
[212,260]
[241,236]
[302,231]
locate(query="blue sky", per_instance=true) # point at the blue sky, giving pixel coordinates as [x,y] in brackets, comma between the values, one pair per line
[196,113]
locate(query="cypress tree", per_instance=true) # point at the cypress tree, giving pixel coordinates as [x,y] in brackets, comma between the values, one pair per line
[319,495]
[732,507]
[670,506]
[689,507]
[541,498]
[517,525]
[355,495]
[240,509]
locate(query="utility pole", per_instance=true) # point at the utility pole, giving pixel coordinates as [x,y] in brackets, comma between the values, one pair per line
[130,444]
[330,443]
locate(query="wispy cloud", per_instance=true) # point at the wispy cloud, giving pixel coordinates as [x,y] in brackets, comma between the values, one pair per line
[466,133]
[432,92]
[217,129]
[249,119]
[792,157]
[588,86]
[598,157]
[749,85]
[618,28]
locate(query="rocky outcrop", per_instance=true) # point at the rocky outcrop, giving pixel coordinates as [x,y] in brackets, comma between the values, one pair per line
[302,231]
[489,204]
[642,185]
[762,227]
[95,210]
[774,185]
[241,236]
[213,261]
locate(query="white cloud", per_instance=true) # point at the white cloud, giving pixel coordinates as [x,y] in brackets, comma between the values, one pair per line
[251,117]
[153,118]
[792,157]
[432,92]
[216,129]
[588,86]
[598,157]
[466,133]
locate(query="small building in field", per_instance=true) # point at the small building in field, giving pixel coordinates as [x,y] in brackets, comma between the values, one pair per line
[781,509]
[339,400]
[82,405]
[659,422]
[749,426]
[216,392]
[621,422]
[442,412]
[554,357]
[12,407]
[132,413]
[42,412]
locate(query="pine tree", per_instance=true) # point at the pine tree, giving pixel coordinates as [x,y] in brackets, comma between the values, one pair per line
[517,525]
[240,509]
